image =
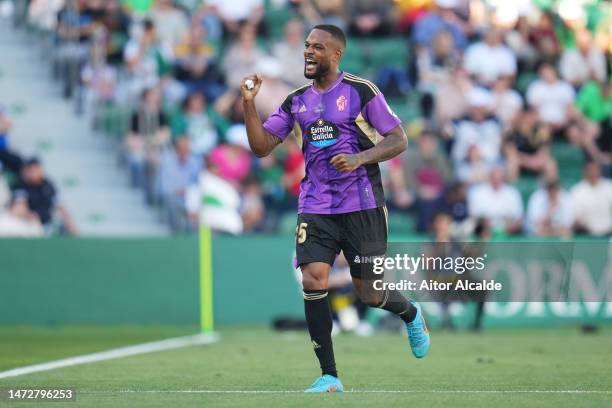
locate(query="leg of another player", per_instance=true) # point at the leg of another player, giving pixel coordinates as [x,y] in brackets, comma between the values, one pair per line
[318,313]
[394,302]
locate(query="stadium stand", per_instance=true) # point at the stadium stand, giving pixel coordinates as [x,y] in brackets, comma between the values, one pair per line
[469,73]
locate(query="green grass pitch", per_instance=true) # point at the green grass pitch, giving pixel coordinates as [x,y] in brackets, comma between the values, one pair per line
[496,368]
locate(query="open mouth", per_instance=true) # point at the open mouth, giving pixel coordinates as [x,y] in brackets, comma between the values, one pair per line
[310,64]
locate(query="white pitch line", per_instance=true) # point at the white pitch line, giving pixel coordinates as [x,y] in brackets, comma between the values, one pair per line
[168,344]
[605,392]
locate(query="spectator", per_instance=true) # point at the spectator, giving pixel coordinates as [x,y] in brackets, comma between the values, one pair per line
[451,102]
[478,128]
[241,57]
[43,13]
[475,169]
[490,59]
[293,169]
[18,220]
[422,176]
[553,100]
[232,163]
[273,90]
[544,38]
[551,97]
[9,160]
[291,52]
[497,202]
[235,14]
[99,79]
[315,12]
[370,18]
[549,212]
[42,197]
[221,210]
[441,17]
[74,28]
[436,67]
[117,24]
[445,246]
[149,134]
[230,106]
[170,21]
[518,39]
[251,207]
[529,146]
[178,170]
[454,202]
[595,103]
[146,61]
[583,62]
[195,67]
[200,123]
[592,203]
[273,180]
[5,192]
[507,103]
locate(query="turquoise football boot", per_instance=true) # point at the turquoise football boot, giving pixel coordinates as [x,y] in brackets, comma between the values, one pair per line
[418,334]
[326,383]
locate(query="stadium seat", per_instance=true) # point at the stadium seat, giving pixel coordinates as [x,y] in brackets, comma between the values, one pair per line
[404,109]
[381,52]
[526,185]
[353,60]
[276,16]
[570,159]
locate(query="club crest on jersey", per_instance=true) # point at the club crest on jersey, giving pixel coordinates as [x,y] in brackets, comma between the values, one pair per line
[341,103]
[322,133]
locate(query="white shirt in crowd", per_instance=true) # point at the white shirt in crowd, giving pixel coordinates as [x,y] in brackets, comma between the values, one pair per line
[592,205]
[487,135]
[5,193]
[235,10]
[171,26]
[539,207]
[488,63]
[551,101]
[293,63]
[507,104]
[500,206]
[575,67]
[13,226]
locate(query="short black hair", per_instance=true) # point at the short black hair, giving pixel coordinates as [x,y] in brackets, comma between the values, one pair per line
[148,24]
[335,32]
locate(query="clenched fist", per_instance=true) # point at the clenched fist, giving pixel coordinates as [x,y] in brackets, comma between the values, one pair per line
[346,162]
[249,94]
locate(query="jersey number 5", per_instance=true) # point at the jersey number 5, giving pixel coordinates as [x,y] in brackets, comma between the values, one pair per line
[300,233]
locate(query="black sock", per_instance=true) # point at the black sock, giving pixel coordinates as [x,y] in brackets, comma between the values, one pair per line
[319,320]
[395,302]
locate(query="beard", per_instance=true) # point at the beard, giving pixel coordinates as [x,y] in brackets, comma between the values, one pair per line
[321,71]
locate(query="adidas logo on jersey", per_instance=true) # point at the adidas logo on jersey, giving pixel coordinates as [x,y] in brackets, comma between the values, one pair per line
[302,109]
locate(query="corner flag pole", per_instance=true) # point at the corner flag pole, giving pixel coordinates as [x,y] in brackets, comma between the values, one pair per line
[206,279]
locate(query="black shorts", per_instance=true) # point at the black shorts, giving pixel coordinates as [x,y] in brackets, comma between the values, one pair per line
[360,235]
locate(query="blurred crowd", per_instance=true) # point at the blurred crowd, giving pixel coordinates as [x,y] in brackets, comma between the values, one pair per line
[30,206]
[498,90]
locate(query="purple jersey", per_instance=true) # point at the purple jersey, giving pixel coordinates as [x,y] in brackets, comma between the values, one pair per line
[348,118]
